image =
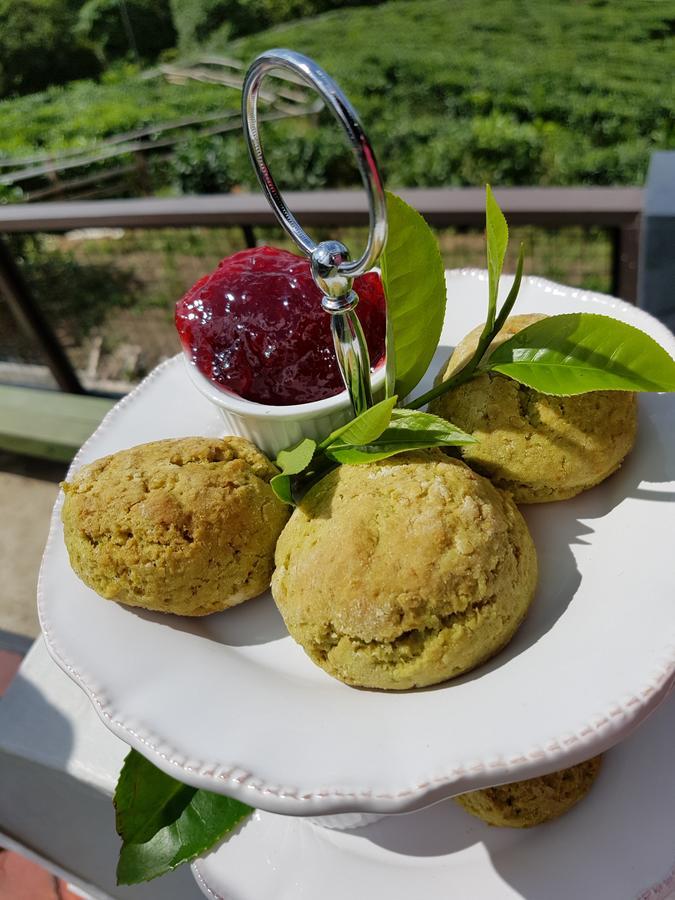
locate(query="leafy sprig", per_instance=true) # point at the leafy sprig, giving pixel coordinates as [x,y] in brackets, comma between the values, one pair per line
[163,822]
[579,352]
[376,434]
[497,241]
[564,355]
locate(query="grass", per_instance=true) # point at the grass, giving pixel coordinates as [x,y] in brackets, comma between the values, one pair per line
[164,263]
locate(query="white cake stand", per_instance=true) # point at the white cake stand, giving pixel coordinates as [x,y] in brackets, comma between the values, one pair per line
[617,844]
[231,704]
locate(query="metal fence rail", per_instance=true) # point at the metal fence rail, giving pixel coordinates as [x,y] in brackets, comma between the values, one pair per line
[618,209]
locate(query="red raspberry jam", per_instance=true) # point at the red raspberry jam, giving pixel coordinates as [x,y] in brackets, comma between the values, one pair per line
[255,327]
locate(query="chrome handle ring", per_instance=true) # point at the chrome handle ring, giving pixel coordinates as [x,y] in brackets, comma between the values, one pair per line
[315,77]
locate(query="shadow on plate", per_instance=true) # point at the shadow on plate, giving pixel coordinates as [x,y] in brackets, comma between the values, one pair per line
[592,851]
[256,621]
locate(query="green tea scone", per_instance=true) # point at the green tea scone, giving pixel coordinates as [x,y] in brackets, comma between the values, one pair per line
[185,526]
[404,572]
[523,804]
[536,446]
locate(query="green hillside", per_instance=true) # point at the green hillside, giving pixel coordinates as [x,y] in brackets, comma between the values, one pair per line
[451,92]
[513,91]
[83,111]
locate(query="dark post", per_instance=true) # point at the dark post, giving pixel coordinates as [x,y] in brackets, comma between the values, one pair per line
[14,289]
[626,245]
[142,173]
[249,236]
[656,291]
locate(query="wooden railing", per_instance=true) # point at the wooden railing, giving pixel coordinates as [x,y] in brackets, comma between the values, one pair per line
[617,209]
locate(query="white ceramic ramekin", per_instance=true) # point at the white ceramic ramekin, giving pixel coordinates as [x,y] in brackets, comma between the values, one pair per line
[274,428]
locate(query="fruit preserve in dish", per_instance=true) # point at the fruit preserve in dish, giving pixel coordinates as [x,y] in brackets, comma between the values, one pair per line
[255,327]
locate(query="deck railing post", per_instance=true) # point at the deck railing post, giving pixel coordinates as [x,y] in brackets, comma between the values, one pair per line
[626,247]
[656,291]
[23,307]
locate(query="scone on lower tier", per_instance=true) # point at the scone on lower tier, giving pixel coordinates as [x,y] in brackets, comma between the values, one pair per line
[536,446]
[404,572]
[523,804]
[184,526]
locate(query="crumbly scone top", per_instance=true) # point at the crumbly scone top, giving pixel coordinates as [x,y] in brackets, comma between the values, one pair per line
[165,489]
[380,550]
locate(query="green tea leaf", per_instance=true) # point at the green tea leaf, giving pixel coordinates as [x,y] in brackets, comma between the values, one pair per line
[414,282]
[282,486]
[408,430]
[364,428]
[412,420]
[291,462]
[201,825]
[497,236]
[163,822]
[579,352]
[297,458]
[146,799]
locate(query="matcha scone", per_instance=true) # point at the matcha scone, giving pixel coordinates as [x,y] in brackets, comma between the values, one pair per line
[185,526]
[523,804]
[405,572]
[538,447]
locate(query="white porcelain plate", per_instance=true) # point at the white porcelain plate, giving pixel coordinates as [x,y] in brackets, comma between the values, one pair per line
[617,844]
[230,703]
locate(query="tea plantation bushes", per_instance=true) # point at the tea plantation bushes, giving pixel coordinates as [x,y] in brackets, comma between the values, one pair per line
[201,21]
[513,91]
[37,47]
[300,161]
[451,92]
[77,114]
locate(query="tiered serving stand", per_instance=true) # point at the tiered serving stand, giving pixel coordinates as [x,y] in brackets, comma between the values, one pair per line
[231,704]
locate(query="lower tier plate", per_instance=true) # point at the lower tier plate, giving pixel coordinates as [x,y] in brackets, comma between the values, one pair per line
[617,844]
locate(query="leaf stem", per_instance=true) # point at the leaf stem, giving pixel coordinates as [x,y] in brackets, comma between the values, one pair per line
[507,305]
[486,338]
[465,374]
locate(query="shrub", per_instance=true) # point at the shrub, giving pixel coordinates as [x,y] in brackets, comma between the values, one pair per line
[101,24]
[197,21]
[212,165]
[37,47]
[300,161]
